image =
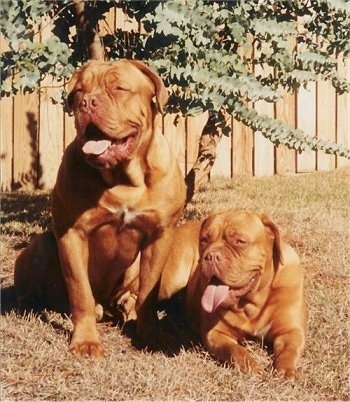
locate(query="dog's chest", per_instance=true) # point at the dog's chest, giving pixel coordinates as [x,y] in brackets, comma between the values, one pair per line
[250,319]
[262,331]
[111,242]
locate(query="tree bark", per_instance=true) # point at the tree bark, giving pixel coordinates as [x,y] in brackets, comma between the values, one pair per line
[200,172]
[87,27]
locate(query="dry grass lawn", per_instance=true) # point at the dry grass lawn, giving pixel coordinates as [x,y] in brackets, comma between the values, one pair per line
[312,211]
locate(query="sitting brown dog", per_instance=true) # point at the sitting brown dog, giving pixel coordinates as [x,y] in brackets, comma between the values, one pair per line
[248,283]
[118,169]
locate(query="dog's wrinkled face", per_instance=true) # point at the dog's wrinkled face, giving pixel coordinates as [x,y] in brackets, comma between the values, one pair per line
[235,249]
[113,109]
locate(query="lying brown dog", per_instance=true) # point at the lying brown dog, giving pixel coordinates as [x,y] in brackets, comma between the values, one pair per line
[117,169]
[248,283]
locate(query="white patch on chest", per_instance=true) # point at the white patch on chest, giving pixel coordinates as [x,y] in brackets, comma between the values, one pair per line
[261,332]
[123,213]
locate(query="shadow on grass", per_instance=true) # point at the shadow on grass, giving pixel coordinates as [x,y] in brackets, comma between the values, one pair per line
[172,326]
[26,208]
[173,332]
[57,320]
[8,299]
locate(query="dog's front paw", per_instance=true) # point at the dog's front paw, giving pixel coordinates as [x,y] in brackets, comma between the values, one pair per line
[249,365]
[124,305]
[288,373]
[87,349]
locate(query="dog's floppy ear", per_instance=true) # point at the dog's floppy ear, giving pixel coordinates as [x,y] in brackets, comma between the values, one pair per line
[69,90]
[161,92]
[274,233]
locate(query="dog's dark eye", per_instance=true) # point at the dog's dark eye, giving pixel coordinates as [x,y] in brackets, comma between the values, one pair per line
[240,242]
[120,89]
[204,240]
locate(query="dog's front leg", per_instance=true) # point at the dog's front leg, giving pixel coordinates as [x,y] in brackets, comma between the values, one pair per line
[153,259]
[226,349]
[73,250]
[287,349]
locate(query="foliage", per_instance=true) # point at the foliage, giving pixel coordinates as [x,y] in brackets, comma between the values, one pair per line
[206,52]
[28,60]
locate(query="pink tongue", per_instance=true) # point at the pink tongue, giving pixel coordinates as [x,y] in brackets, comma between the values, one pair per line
[96,147]
[213,296]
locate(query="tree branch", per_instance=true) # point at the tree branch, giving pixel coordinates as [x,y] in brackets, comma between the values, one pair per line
[87,26]
[199,173]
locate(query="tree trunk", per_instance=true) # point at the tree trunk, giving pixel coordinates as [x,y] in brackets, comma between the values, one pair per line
[200,172]
[87,28]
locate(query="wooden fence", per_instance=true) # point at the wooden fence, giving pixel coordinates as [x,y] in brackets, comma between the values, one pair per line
[35,132]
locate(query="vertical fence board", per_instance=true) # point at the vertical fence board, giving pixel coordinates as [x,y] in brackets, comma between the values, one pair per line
[51,138]
[108,24]
[25,141]
[343,114]
[119,18]
[263,159]
[326,122]
[51,134]
[222,164]
[263,148]
[285,110]
[242,136]
[194,128]
[124,22]
[6,133]
[26,170]
[285,157]
[306,121]
[242,149]
[306,114]
[69,130]
[174,132]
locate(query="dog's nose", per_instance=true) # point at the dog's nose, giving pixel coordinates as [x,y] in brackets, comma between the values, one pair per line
[213,256]
[89,103]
